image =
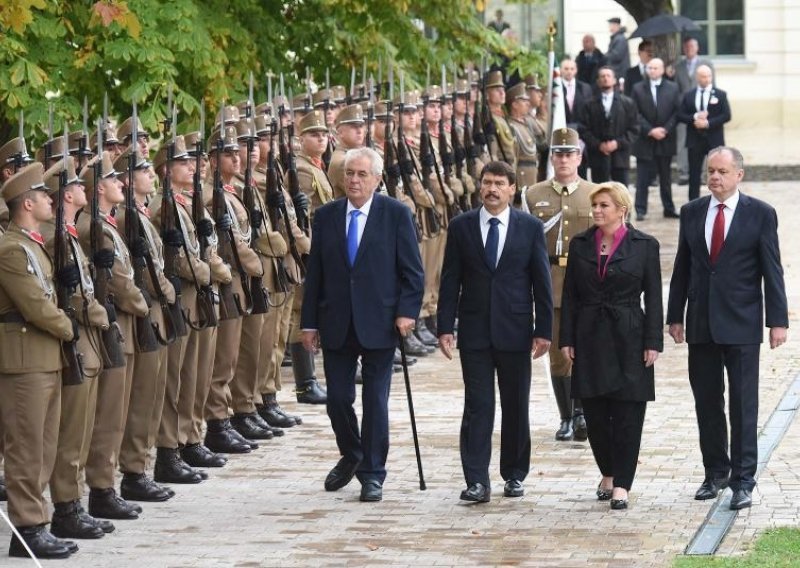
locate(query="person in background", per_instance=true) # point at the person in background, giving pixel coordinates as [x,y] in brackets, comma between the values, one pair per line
[589,60]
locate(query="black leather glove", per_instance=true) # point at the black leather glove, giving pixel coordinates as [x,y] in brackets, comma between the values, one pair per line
[69,276]
[393,171]
[407,167]
[447,159]
[480,140]
[224,223]
[460,154]
[275,200]
[427,160]
[475,152]
[489,128]
[139,248]
[300,201]
[75,330]
[104,259]
[173,238]
[205,228]
[256,218]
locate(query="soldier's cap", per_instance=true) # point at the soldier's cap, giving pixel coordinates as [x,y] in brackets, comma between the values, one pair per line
[382,111]
[323,95]
[411,100]
[122,161]
[462,87]
[109,136]
[75,140]
[494,79]
[263,125]
[264,109]
[281,101]
[339,93]
[126,128]
[242,106]
[245,128]
[26,179]
[474,77]
[87,173]
[352,114]
[565,140]
[314,121]
[52,177]
[13,149]
[191,139]
[518,91]
[614,21]
[229,140]
[56,149]
[532,83]
[301,103]
[433,93]
[180,152]
[230,116]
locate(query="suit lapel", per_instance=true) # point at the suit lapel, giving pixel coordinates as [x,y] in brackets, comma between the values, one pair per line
[698,226]
[373,221]
[510,233]
[475,235]
[737,226]
[339,228]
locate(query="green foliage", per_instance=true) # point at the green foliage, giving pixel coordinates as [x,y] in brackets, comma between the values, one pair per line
[776,548]
[206,49]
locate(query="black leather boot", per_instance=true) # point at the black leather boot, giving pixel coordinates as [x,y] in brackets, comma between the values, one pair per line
[307,388]
[220,440]
[170,468]
[430,323]
[106,526]
[197,455]
[139,487]
[579,422]
[273,414]
[106,504]
[561,388]
[398,358]
[424,335]
[415,347]
[241,439]
[256,419]
[244,424]
[287,357]
[68,523]
[41,542]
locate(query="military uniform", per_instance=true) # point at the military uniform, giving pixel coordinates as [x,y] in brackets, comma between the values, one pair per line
[13,156]
[565,212]
[530,138]
[30,363]
[501,145]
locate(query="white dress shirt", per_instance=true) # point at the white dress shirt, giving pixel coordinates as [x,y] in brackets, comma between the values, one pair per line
[570,85]
[702,104]
[730,209]
[361,220]
[502,227]
[608,100]
[654,90]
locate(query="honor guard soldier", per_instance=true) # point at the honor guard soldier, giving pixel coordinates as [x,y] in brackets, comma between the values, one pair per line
[324,100]
[150,361]
[114,264]
[78,401]
[530,138]
[475,156]
[501,139]
[351,134]
[539,115]
[563,205]
[51,152]
[125,131]
[111,142]
[30,362]
[382,116]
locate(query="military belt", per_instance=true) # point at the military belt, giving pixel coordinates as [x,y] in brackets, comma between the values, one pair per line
[559,260]
[12,317]
[527,163]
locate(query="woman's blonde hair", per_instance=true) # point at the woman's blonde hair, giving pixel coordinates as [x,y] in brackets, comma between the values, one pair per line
[617,192]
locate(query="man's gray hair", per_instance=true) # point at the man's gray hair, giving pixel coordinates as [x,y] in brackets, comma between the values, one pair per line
[375,160]
[738,159]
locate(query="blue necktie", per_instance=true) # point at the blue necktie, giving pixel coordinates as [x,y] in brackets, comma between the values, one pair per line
[352,236]
[492,242]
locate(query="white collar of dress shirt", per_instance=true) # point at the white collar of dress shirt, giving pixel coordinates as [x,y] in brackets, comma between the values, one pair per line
[364,209]
[730,203]
[504,215]
[655,83]
[569,83]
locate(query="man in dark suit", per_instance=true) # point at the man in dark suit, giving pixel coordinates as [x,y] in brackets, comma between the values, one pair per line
[727,250]
[589,61]
[496,276]
[704,110]
[576,95]
[657,102]
[364,283]
[609,126]
[638,72]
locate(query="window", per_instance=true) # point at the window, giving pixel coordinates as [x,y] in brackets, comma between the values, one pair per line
[722,23]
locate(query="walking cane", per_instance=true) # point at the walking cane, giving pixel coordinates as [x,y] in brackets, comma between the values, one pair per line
[404,363]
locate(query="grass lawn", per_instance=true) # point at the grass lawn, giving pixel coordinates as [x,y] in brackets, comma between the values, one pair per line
[775,548]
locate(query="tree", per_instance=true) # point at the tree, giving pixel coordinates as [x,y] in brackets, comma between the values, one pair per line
[643,9]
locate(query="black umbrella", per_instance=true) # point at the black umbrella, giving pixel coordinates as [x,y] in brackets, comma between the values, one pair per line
[665,24]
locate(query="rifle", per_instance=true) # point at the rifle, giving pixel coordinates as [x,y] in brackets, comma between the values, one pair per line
[391,172]
[326,105]
[274,194]
[294,191]
[113,341]
[259,293]
[283,145]
[428,162]
[471,148]
[459,153]
[370,116]
[404,160]
[445,154]
[72,373]
[48,146]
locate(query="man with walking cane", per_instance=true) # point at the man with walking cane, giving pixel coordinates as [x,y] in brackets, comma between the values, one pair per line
[364,284]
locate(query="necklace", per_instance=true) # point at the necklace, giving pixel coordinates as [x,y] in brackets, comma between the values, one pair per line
[603,247]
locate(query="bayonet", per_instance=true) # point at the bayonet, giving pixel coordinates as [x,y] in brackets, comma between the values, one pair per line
[174,124]
[328,79]
[380,70]
[249,111]
[202,119]
[135,127]
[50,132]
[99,148]
[66,143]
[105,108]
[352,82]
[85,115]
[391,82]
[402,90]
[269,87]
[444,80]
[363,74]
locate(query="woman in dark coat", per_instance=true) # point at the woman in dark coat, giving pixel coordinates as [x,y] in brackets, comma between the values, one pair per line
[612,341]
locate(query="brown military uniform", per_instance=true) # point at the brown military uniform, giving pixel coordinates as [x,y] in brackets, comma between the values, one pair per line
[529,138]
[314,182]
[503,143]
[336,171]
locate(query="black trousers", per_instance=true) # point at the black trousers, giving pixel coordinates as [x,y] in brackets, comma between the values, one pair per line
[370,446]
[615,435]
[697,154]
[646,170]
[602,170]
[706,364]
[514,381]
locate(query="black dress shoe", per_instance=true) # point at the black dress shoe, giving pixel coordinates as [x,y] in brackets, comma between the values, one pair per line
[371,491]
[274,416]
[341,474]
[619,504]
[68,523]
[741,499]
[603,494]
[106,504]
[683,181]
[170,468]
[244,424]
[197,455]
[40,541]
[579,431]
[431,323]
[220,438]
[513,488]
[139,487]
[424,335]
[398,358]
[710,488]
[310,392]
[477,493]
[671,215]
[105,526]
[565,431]
[415,347]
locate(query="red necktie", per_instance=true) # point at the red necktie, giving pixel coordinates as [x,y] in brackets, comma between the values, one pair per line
[718,233]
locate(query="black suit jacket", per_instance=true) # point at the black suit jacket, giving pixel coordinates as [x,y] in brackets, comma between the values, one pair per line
[621,125]
[650,116]
[385,282]
[496,307]
[719,113]
[725,301]
[583,94]
[633,76]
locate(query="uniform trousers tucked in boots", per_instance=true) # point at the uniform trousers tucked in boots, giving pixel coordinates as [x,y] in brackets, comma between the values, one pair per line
[229,333]
[200,348]
[615,434]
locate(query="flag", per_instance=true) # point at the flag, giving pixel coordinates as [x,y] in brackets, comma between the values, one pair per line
[558,115]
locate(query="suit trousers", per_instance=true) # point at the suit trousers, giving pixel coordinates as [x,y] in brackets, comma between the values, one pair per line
[371,445]
[682,157]
[615,435]
[78,404]
[229,332]
[603,170]
[514,381]
[706,364]
[148,370]
[113,397]
[697,156]
[276,333]
[168,426]
[30,408]
[244,386]
[201,348]
[647,169]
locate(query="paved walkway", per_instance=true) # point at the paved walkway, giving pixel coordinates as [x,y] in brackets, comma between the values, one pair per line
[269,508]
